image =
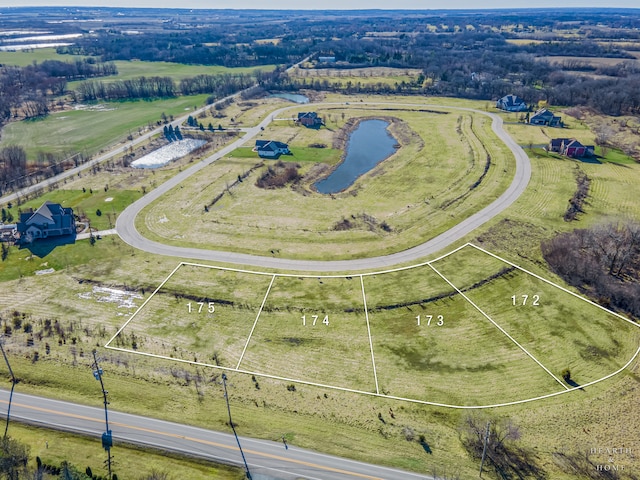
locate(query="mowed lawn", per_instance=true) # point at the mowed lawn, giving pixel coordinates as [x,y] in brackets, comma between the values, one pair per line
[560,330]
[93,128]
[431,344]
[100,206]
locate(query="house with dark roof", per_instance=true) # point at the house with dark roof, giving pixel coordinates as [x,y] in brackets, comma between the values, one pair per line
[546,118]
[570,147]
[271,149]
[309,119]
[512,103]
[50,220]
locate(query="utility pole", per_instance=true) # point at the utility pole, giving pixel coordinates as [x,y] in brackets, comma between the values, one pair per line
[484,450]
[13,385]
[107,439]
[226,397]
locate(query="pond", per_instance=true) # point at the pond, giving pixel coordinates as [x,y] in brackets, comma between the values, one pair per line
[292,97]
[168,153]
[368,145]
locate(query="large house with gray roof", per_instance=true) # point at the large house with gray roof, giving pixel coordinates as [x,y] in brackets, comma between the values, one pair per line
[271,149]
[545,117]
[50,220]
[512,103]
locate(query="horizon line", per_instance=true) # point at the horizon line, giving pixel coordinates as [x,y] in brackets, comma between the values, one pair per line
[431,10]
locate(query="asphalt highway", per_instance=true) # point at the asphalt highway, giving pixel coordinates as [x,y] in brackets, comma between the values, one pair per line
[266,459]
[125,224]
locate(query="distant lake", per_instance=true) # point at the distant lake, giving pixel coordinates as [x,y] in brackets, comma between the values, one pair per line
[292,97]
[368,145]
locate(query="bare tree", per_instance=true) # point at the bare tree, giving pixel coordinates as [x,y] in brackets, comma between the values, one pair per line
[502,453]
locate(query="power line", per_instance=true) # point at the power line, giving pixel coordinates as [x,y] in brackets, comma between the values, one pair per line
[226,397]
[13,385]
[107,439]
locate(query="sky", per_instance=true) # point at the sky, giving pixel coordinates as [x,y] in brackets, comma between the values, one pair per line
[328,4]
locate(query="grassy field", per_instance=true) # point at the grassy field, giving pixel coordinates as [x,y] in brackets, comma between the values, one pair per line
[326,417]
[365,76]
[132,69]
[54,447]
[23,58]
[93,128]
[127,69]
[559,329]
[376,430]
[429,177]
[202,310]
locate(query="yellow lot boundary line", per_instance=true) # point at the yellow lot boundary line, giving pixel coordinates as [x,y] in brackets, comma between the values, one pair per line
[192,439]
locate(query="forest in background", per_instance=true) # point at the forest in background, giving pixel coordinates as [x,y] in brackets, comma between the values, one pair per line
[480,55]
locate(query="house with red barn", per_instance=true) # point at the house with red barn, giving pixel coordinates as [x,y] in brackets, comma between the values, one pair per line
[570,147]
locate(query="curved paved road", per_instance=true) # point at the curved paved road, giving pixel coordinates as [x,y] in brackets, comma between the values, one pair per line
[266,459]
[125,224]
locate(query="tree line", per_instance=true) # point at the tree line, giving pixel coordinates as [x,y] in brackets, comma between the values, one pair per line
[603,261]
[28,91]
[145,88]
[17,172]
[135,88]
[483,66]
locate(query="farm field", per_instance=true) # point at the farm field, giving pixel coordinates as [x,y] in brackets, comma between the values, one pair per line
[126,69]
